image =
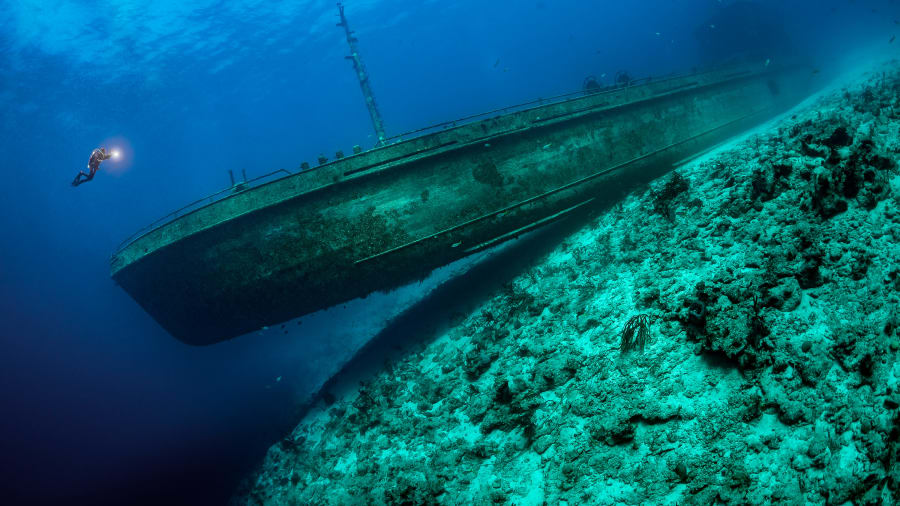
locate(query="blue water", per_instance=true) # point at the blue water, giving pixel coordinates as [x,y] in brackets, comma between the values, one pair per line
[99,404]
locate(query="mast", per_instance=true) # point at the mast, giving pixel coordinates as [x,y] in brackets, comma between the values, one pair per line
[363,76]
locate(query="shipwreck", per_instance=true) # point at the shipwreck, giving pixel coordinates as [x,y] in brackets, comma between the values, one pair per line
[266,251]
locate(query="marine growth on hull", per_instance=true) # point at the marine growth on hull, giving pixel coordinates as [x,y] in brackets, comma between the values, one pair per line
[728,334]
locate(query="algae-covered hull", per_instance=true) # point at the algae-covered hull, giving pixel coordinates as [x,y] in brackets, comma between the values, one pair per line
[385,217]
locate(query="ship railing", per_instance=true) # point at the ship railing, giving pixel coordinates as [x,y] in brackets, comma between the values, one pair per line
[257,181]
[520,107]
[209,199]
[613,88]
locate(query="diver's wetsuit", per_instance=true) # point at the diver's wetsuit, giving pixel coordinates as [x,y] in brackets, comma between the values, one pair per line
[97,156]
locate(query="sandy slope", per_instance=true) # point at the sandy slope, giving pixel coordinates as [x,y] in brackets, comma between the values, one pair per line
[770,272]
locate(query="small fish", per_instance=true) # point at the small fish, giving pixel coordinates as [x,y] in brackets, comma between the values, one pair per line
[603,75]
[277,379]
[657,34]
[768,61]
[506,69]
[712,26]
[893,38]
[815,71]
[497,63]
[547,146]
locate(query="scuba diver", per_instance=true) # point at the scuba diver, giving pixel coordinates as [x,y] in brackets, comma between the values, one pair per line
[623,79]
[590,85]
[98,155]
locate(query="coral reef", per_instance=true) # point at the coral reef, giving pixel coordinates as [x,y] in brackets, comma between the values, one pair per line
[769,270]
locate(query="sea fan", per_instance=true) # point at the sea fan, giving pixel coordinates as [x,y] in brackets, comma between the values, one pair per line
[636,333]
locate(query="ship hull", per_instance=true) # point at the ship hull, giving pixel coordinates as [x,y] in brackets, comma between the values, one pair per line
[391,215]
